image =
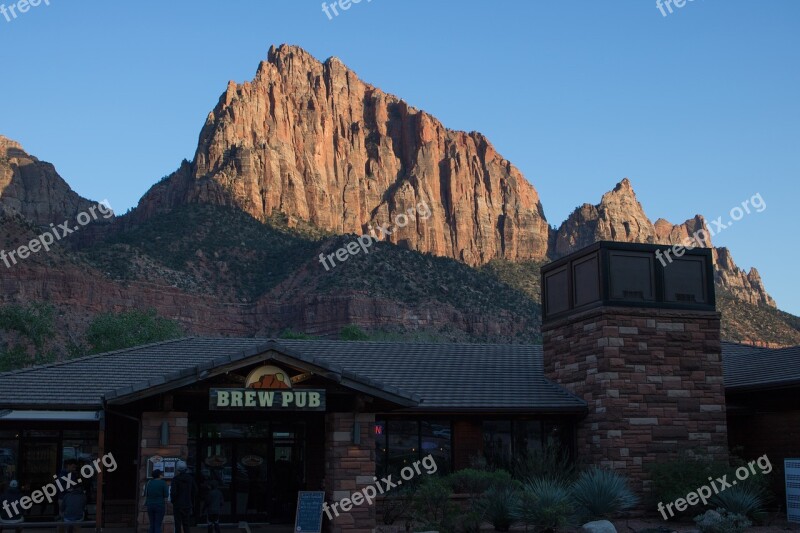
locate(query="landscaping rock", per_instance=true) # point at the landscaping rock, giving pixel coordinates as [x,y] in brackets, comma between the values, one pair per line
[598,526]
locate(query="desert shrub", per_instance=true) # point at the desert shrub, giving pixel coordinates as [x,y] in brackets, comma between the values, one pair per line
[721,521]
[676,478]
[397,503]
[475,482]
[353,333]
[112,331]
[545,504]
[552,462]
[431,507]
[291,334]
[601,493]
[471,520]
[746,500]
[498,505]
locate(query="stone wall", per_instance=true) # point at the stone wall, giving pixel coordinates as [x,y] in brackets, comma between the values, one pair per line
[652,379]
[349,468]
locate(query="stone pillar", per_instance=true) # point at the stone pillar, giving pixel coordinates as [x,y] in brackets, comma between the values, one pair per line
[349,468]
[652,379]
[150,445]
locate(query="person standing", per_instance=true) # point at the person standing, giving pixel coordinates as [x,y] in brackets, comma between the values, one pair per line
[183,494]
[214,501]
[73,507]
[11,494]
[156,493]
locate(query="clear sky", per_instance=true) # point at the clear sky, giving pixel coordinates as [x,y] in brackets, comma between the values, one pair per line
[698,108]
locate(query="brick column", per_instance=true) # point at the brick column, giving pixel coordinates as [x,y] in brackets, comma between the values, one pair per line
[348,468]
[151,445]
[652,379]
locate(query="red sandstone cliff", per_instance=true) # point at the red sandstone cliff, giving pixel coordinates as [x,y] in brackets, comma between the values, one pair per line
[314,142]
[619,217]
[33,188]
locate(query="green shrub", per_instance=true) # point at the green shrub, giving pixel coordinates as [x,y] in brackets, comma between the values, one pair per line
[601,494]
[475,482]
[397,503]
[431,507]
[746,500]
[721,521]
[552,462]
[353,333]
[112,331]
[676,478]
[545,504]
[498,505]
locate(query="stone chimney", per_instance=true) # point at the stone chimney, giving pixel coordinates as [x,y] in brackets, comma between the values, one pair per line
[633,330]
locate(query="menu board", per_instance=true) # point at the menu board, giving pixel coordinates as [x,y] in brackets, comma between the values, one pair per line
[166,464]
[309,511]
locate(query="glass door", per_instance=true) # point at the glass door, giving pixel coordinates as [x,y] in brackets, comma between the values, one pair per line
[251,481]
[38,465]
[288,468]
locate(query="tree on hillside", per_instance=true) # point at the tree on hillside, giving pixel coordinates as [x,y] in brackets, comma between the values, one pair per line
[353,333]
[26,332]
[116,331]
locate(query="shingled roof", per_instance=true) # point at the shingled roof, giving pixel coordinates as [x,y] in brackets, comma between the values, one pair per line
[759,368]
[470,377]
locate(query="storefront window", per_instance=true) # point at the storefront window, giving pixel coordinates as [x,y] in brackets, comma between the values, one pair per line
[527,437]
[380,448]
[403,438]
[435,439]
[497,442]
[399,443]
[9,452]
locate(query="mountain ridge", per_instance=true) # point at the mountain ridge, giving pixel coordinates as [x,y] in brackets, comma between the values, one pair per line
[265,160]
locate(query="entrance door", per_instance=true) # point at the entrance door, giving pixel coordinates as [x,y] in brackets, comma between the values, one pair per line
[288,462]
[39,462]
[258,469]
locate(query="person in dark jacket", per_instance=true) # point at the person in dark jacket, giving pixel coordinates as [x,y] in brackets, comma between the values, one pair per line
[183,493]
[7,514]
[73,508]
[156,493]
[214,501]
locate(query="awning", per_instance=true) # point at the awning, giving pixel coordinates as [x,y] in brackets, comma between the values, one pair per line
[66,416]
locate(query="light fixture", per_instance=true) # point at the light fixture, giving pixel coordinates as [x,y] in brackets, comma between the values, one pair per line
[164,433]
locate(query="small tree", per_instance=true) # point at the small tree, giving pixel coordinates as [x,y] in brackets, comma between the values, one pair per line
[32,327]
[353,333]
[116,331]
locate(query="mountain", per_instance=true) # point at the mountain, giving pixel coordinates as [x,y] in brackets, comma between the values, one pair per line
[296,164]
[33,188]
[311,141]
[620,217]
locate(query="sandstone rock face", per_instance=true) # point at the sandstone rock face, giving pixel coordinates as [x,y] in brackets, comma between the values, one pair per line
[311,140]
[34,189]
[619,217]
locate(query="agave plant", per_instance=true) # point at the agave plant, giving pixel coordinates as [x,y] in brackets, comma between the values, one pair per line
[546,505]
[498,504]
[745,499]
[602,493]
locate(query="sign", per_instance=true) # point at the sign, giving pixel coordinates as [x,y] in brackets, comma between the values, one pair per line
[168,465]
[308,518]
[791,468]
[244,399]
[268,387]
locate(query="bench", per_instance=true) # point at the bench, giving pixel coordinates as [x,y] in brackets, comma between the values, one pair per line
[44,525]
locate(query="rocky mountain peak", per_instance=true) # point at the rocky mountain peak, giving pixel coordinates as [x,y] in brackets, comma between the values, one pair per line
[33,188]
[312,141]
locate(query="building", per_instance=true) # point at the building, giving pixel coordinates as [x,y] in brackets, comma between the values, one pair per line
[629,374]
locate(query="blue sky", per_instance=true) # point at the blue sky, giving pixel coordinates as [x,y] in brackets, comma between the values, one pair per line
[699,108]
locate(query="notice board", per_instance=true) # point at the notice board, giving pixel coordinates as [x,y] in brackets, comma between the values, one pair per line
[308,518]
